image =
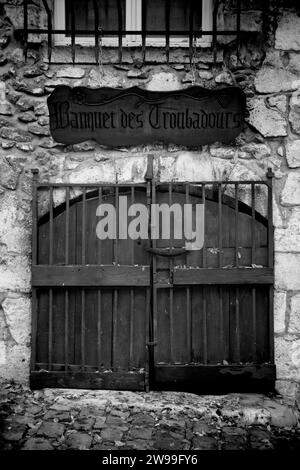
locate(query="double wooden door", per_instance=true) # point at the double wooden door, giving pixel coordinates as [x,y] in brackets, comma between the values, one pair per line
[142,314]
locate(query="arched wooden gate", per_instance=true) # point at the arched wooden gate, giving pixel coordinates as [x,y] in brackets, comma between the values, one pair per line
[134,314]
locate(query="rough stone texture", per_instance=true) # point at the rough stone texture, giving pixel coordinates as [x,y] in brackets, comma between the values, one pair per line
[294,321]
[286,36]
[273,80]
[293,153]
[279,311]
[294,116]
[71,72]
[290,195]
[287,357]
[269,122]
[157,420]
[288,239]
[287,271]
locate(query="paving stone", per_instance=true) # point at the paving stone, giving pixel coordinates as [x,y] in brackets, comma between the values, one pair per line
[85,424]
[138,444]
[49,429]
[142,419]
[112,434]
[14,433]
[37,444]
[204,443]
[79,441]
[100,422]
[167,441]
[140,433]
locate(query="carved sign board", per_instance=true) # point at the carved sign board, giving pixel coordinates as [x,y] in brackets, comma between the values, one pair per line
[192,117]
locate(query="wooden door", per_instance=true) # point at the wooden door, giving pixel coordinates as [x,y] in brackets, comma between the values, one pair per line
[91,297]
[212,312]
[126,314]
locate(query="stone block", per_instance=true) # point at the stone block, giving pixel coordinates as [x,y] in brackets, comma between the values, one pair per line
[293,153]
[269,122]
[287,239]
[164,81]
[71,72]
[294,322]
[287,34]
[294,116]
[287,358]
[274,80]
[279,311]
[290,195]
[287,271]
[9,175]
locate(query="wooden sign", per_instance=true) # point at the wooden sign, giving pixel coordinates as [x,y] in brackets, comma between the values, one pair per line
[192,117]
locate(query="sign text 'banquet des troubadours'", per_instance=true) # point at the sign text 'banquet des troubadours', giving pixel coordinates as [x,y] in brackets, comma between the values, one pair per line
[194,116]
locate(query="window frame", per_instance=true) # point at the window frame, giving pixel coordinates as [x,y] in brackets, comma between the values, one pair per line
[133,21]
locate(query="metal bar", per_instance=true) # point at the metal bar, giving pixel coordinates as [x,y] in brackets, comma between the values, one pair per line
[191,29]
[144,29]
[188,291]
[238,27]
[120,25]
[148,338]
[131,295]
[34,261]
[114,328]
[167,23]
[131,327]
[132,241]
[236,222]
[115,32]
[270,219]
[49,27]
[189,323]
[51,226]
[99,293]
[82,329]
[25,30]
[50,329]
[66,345]
[215,29]
[83,261]
[83,241]
[204,241]
[253,224]
[221,321]
[171,267]
[204,312]
[254,324]
[99,315]
[73,31]
[237,323]
[67,228]
[96,32]
[116,243]
[220,224]
[143,185]
[271,323]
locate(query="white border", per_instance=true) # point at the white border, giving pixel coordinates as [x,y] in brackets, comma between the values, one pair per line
[133,22]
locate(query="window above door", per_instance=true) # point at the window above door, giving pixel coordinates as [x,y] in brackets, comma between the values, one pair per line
[156,16]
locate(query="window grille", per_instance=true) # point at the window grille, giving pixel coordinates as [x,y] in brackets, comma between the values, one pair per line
[98,33]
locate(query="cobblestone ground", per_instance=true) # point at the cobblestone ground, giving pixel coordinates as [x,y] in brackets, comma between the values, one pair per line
[104,420]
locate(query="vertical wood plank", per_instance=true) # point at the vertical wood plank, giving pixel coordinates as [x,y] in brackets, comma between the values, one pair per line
[237,323]
[236,222]
[50,330]
[220,224]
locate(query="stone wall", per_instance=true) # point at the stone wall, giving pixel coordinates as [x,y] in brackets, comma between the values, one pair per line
[268,70]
